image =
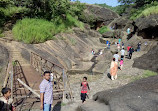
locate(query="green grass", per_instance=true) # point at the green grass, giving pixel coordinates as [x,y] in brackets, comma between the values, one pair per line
[1,33]
[73,41]
[103,29]
[31,30]
[146,74]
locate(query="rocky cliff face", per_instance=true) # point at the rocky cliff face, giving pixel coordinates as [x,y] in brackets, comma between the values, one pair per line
[71,50]
[4,55]
[99,15]
[148,27]
[148,61]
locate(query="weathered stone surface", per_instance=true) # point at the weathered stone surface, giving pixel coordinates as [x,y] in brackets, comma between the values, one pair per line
[148,26]
[70,50]
[140,95]
[148,61]
[4,57]
[122,23]
[98,13]
[93,106]
[108,34]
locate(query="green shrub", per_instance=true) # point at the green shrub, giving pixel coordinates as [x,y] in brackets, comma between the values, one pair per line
[148,9]
[103,29]
[9,11]
[39,30]
[33,30]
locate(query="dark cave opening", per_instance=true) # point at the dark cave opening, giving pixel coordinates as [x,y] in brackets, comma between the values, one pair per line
[149,33]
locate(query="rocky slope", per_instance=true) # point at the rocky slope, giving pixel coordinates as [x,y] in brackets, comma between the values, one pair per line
[71,50]
[140,95]
[4,55]
[148,61]
[146,27]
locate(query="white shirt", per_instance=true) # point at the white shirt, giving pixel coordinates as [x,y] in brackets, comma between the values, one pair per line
[122,52]
[116,56]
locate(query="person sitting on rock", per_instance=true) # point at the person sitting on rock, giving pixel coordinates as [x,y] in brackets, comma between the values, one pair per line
[5,101]
[84,89]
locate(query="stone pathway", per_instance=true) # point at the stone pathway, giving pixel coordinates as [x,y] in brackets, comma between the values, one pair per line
[125,76]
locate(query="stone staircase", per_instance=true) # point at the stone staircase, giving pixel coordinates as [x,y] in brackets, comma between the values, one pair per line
[14,52]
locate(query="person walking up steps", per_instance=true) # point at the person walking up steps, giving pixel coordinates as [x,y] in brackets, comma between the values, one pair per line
[123,45]
[84,89]
[122,53]
[118,47]
[131,50]
[138,46]
[46,92]
[107,42]
[113,69]
[121,63]
[116,56]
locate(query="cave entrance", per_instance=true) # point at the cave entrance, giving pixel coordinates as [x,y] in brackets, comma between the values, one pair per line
[98,25]
[149,33]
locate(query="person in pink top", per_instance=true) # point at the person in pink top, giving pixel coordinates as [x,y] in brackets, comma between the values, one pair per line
[84,89]
[121,63]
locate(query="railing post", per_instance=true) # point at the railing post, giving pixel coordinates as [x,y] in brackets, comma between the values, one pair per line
[64,86]
[11,82]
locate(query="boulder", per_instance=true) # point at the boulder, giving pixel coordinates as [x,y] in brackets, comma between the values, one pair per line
[148,61]
[109,34]
[140,95]
[98,15]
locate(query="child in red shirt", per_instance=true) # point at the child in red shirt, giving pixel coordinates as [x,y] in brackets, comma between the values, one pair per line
[84,89]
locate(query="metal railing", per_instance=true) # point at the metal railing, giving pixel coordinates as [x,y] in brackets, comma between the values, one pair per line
[60,80]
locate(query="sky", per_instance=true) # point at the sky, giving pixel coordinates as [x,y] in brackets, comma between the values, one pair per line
[108,2]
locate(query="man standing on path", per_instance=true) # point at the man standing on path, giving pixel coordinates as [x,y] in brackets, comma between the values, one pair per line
[116,56]
[122,53]
[131,50]
[46,92]
[138,46]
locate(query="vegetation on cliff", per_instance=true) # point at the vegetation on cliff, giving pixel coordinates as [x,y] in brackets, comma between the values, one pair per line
[135,8]
[38,21]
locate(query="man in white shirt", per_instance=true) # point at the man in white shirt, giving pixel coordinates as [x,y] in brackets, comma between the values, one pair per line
[122,53]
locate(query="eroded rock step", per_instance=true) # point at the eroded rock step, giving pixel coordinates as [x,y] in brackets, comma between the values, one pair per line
[93,106]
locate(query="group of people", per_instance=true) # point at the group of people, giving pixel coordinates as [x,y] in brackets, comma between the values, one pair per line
[46,86]
[108,43]
[118,63]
